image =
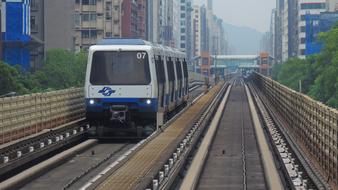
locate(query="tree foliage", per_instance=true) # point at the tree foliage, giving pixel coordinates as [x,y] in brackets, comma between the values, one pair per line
[61,69]
[318,73]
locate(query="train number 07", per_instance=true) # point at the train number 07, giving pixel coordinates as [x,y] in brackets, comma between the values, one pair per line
[141,55]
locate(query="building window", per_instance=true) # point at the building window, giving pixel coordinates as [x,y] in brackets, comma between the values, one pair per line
[33,23]
[88,2]
[89,17]
[89,34]
[302,40]
[303,29]
[302,52]
[108,34]
[313,6]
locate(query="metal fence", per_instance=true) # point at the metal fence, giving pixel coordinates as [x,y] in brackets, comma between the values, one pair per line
[312,123]
[26,115]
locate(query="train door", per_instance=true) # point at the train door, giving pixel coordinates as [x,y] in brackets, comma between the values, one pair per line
[186,76]
[160,81]
[171,77]
[176,79]
[183,78]
[167,97]
[179,77]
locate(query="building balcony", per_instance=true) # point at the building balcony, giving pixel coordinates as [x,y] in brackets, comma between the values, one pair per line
[89,8]
[88,41]
[89,24]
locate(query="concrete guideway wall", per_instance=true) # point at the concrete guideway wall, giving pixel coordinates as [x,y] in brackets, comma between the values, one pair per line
[312,123]
[22,116]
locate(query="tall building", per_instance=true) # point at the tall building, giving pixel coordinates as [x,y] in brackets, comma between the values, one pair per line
[196,31]
[45,15]
[316,24]
[204,29]
[289,29]
[188,43]
[273,33]
[0,33]
[81,23]
[332,5]
[142,19]
[184,12]
[133,19]
[37,32]
[210,5]
[307,7]
[285,31]
[293,28]
[95,20]
[176,25]
[154,21]
[278,31]
[128,19]
[16,32]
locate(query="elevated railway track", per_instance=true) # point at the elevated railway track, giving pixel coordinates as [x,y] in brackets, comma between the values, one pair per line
[290,138]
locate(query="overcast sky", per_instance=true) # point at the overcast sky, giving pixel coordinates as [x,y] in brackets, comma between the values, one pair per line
[252,13]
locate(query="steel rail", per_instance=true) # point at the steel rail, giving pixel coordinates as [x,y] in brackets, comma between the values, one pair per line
[273,120]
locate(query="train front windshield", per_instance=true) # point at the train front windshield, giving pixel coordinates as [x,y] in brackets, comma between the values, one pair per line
[120,68]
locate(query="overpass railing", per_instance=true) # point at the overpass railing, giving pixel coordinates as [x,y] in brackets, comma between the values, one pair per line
[26,115]
[312,123]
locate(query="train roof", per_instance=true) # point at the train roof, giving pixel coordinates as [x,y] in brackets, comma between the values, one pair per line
[136,42]
[119,41]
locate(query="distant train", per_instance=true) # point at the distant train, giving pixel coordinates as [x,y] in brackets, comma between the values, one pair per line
[133,85]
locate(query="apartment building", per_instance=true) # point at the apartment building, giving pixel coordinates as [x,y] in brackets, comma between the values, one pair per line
[142,7]
[332,5]
[0,35]
[196,31]
[154,20]
[95,20]
[307,7]
[289,29]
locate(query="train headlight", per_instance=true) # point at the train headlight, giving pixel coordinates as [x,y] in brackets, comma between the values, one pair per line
[148,101]
[92,102]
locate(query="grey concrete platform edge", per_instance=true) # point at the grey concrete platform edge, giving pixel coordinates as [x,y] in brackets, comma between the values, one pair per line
[191,179]
[270,171]
[28,175]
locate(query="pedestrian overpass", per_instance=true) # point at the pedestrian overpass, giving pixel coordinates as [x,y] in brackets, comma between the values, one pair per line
[225,64]
[231,63]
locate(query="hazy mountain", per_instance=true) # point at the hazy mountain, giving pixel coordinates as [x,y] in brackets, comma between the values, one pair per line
[243,40]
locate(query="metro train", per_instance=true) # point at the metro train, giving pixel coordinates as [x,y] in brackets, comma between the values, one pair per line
[133,86]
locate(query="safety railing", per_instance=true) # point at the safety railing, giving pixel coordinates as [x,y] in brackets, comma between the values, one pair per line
[312,123]
[26,115]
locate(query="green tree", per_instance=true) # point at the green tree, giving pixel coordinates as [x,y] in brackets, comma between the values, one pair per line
[325,87]
[9,80]
[319,73]
[61,69]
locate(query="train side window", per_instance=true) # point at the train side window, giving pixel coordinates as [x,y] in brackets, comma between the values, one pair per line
[160,70]
[157,68]
[185,68]
[171,72]
[178,69]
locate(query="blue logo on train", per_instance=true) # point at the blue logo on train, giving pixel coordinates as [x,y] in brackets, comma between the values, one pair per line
[107,91]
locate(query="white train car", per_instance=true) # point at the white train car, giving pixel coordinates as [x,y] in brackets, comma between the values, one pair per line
[132,86]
